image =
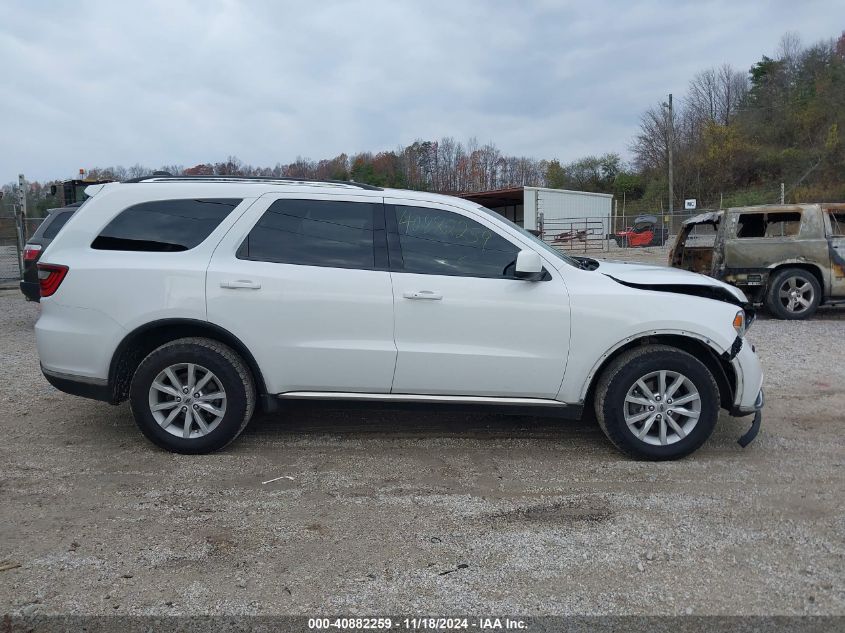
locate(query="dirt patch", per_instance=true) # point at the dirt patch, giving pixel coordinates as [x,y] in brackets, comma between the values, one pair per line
[561,513]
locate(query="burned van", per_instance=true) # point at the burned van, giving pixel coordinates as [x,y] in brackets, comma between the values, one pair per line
[789,258]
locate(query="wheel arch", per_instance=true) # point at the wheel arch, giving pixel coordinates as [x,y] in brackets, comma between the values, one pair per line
[698,346]
[813,269]
[141,341]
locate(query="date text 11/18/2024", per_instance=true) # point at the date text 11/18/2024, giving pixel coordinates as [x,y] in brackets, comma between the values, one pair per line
[417,623]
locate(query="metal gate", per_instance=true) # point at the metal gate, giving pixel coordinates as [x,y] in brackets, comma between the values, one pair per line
[614,234]
[13,235]
[575,234]
[10,257]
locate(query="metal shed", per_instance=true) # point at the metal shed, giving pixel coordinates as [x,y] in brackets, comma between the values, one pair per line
[523,205]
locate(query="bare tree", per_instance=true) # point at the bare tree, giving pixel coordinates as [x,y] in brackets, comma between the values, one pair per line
[715,95]
[651,145]
[733,89]
[789,51]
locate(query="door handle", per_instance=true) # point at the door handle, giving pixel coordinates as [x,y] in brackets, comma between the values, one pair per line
[429,295]
[241,283]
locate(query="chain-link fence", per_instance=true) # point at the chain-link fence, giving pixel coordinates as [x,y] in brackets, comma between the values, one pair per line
[614,233]
[10,246]
[769,193]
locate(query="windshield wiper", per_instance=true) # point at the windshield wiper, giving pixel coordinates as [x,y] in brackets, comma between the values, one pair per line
[586,263]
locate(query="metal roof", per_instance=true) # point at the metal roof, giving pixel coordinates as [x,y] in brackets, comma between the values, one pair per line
[496,197]
[516,195]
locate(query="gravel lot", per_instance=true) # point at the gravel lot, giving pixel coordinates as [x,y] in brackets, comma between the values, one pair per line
[381,512]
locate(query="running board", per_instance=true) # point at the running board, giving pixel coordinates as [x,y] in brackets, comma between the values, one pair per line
[522,406]
[413,397]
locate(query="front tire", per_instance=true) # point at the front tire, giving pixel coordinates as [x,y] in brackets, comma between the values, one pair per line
[793,294]
[657,402]
[192,395]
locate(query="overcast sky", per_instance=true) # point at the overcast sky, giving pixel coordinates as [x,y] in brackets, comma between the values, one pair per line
[102,83]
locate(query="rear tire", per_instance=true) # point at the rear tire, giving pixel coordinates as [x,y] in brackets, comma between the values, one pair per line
[192,395]
[793,293]
[646,422]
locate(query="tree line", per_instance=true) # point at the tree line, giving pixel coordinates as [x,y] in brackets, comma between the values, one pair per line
[738,135]
[735,137]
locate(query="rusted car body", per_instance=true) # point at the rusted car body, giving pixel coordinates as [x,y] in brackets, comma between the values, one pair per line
[790,258]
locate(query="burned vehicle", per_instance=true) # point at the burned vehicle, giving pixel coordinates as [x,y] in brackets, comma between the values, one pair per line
[789,258]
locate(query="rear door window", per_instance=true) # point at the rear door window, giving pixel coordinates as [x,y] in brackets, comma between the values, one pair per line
[164,225]
[332,233]
[776,224]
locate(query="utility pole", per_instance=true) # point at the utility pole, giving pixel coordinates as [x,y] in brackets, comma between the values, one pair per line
[670,133]
[782,193]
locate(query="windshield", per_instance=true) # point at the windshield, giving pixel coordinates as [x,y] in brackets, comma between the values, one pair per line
[539,242]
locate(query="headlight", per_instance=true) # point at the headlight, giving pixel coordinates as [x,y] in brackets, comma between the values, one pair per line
[739,323]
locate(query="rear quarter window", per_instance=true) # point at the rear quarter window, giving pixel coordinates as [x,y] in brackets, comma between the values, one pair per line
[837,223]
[56,223]
[164,225]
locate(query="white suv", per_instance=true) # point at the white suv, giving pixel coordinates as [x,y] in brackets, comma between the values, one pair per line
[198,298]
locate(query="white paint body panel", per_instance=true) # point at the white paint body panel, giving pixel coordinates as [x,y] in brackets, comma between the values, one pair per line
[645,274]
[76,341]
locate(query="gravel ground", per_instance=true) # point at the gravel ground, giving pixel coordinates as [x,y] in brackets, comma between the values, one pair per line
[382,512]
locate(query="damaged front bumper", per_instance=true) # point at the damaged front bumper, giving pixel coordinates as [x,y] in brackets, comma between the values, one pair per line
[757,410]
[748,397]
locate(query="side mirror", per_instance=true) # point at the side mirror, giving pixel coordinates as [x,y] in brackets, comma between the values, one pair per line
[529,265]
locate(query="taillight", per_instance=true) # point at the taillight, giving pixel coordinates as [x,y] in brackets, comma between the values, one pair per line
[50,276]
[31,252]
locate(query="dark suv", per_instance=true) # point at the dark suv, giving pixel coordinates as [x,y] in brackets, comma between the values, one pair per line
[36,245]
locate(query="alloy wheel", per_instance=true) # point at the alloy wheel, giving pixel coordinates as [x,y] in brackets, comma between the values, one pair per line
[187,400]
[662,407]
[796,294]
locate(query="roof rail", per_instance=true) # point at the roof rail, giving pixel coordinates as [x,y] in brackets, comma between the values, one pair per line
[268,179]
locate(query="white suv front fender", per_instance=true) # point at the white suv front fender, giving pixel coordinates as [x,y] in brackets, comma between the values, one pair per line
[644,335]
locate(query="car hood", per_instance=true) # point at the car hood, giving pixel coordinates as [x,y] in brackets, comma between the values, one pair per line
[665,279]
